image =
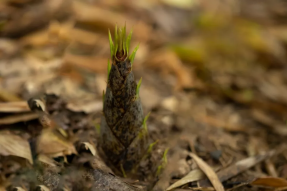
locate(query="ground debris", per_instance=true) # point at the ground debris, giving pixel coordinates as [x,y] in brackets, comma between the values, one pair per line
[214,82]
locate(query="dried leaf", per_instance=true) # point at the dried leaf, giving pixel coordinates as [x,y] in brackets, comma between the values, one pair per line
[14,145]
[192,176]
[90,147]
[270,182]
[208,172]
[54,144]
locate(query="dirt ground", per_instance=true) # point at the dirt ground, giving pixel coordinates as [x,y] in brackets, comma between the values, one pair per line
[214,79]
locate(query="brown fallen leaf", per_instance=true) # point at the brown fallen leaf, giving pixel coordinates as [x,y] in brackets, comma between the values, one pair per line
[192,176]
[208,172]
[14,145]
[10,107]
[273,182]
[54,144]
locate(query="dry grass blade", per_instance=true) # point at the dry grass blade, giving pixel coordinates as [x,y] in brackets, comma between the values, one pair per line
[18,118]
[208,172]
[14,107]
[192,176]
[15,146]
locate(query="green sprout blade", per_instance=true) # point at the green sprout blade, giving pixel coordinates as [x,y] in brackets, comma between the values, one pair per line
[109,69]
[123,171]
[163,163]
[151,146]
[116,40]
[124,39]
[132,56]
[128,41]
[111,44]
[98,128]
[145,120]
[158,170]
[165,156]
[120,40]
[138,88]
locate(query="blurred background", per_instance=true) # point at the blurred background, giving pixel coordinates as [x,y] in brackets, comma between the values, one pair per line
[219,63]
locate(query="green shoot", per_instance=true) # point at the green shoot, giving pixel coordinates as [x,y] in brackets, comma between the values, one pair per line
[116,41]
[109,68]
[138,88]
[111,44]
[124,39]
[120,39]
[151,146]
[132,56]
[165,156]
[128,42]
[98,128]
[123,171]
[163,163]
[121,44]
[145,120]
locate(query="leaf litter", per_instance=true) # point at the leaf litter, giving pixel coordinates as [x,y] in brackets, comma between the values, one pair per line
[218,79]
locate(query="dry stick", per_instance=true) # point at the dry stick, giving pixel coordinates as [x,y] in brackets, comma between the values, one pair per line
[19,106]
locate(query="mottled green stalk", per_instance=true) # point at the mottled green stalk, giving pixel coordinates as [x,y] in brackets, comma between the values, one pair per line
[123,132]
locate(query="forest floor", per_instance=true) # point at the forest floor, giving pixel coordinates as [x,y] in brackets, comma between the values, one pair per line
[214,79]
